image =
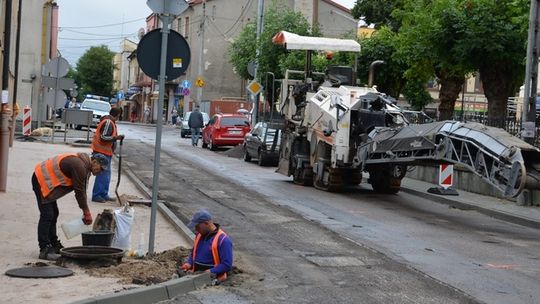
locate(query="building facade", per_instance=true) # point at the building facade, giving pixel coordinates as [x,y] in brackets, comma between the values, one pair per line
[223,22]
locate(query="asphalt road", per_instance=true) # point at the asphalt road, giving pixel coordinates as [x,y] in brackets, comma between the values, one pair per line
[301,245]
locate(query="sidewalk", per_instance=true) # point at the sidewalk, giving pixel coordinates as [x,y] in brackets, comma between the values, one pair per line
[502,209]
[19,234]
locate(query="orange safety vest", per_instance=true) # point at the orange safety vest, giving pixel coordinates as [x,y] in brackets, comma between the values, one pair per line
[98,145]
[50,176]
[215,253]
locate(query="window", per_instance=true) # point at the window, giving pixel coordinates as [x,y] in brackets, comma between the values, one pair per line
[186,28]
[234,121]
[179,25]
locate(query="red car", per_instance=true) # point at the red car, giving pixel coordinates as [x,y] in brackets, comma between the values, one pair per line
[225,130]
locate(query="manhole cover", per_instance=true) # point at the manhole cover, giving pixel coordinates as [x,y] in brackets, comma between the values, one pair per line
[39,272]
[335,261]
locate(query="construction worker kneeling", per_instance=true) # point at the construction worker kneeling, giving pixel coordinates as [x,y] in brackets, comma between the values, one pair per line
[212,250]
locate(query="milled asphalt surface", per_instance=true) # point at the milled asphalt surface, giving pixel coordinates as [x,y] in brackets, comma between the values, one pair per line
[284,257]
[496,208]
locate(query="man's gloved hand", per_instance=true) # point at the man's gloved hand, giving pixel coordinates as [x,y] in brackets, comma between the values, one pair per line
[186,267]
[120,137]
[87,218]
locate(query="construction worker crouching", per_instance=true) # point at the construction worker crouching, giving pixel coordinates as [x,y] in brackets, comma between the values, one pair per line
[54,178]
[212,250]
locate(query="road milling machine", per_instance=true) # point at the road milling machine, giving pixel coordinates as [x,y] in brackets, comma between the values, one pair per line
[335,131]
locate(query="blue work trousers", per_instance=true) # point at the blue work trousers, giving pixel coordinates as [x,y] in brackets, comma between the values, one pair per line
[101,184]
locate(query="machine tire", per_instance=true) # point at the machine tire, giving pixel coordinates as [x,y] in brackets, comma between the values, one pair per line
[261,161]
[204,144]
[182,134]
[382,181]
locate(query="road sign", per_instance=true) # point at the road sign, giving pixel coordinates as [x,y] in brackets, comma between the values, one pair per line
[58,83]
[174,7]
[55,98]
[199,82]
[254,87]
[56,67]
[446,173]
[149,52]
[186,84]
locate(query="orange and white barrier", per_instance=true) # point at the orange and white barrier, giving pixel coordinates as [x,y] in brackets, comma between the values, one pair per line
[446,175]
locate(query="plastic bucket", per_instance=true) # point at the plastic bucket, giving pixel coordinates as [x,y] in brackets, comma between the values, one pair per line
[97,238]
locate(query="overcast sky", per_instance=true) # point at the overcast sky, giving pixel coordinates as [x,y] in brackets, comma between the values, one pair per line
[85,23]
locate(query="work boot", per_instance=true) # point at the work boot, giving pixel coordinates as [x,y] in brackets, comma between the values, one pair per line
[110,199]
[57,246]
[47,253]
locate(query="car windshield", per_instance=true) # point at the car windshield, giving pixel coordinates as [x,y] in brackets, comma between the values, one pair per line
[96,105]
[234,121]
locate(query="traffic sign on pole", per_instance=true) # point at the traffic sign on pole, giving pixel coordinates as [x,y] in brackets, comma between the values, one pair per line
[254,87]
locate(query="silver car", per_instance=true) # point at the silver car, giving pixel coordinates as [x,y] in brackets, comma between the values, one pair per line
[185,130]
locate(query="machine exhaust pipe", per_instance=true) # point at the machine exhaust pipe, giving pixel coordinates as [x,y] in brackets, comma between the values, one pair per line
[372,71]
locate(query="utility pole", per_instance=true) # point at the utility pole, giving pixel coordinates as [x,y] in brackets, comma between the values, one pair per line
[260,26]
[531,75]
[201,54]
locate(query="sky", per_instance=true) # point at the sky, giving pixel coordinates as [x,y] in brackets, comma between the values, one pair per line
[86,23]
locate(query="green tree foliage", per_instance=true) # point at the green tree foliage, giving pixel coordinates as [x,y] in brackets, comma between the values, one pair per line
[495,41]
[243,49]
[378,12]
[95,71]
[430,40]
[382,46]
[416,94]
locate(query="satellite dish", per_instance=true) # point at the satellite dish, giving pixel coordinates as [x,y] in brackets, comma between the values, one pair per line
[141,33]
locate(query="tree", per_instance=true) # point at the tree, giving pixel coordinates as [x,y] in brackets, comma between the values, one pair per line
[382,46]
[378,12]
[95,71]
[430,39]
[495,40]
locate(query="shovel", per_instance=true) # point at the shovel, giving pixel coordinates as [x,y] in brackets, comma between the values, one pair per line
[119,171]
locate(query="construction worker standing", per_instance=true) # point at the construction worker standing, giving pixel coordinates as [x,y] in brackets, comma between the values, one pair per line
[104,142]
[212,250]
[54,178]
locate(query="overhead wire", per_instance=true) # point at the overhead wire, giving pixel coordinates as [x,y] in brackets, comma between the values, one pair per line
[100,26]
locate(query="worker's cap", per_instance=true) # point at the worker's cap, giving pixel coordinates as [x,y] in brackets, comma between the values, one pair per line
[200,216]
[102,160]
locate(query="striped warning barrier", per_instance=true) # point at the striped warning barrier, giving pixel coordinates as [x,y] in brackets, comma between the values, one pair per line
[27,121]
[446,175]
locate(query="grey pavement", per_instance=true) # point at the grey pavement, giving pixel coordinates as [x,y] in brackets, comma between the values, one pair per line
[20,240]
[502,209]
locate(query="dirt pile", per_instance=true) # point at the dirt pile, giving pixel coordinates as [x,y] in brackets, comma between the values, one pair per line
[149,270]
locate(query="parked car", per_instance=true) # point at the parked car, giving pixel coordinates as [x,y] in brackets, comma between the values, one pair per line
[98,107]
[184,128]
[225,130]
[262,143]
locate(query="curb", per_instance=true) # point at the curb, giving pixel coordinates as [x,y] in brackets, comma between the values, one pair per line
[498,214]
[160,292]
[155,293]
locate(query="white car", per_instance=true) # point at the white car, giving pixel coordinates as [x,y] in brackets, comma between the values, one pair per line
[98,107]
[185,130]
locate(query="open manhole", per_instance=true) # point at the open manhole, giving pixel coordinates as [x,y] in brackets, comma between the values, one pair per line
[92,253]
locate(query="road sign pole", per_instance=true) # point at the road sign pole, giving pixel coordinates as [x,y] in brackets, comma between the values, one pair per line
[260,25]
[165,19]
